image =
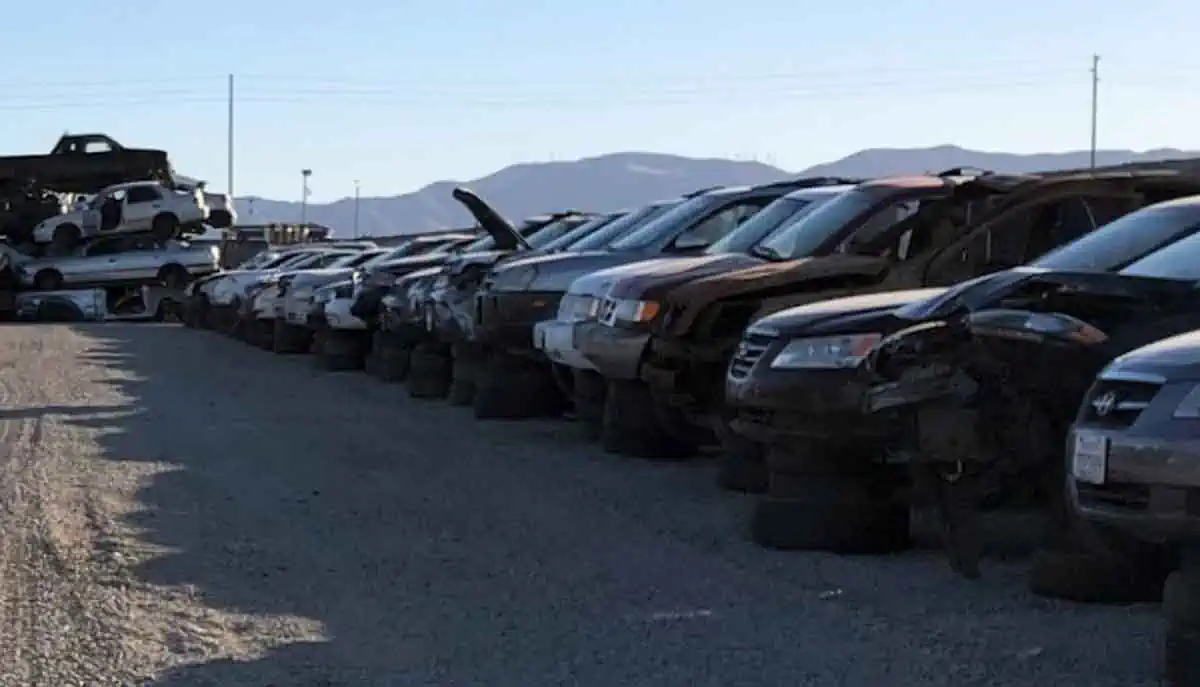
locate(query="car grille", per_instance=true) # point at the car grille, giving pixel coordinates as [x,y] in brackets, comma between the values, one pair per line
[1116,404]
[749,351]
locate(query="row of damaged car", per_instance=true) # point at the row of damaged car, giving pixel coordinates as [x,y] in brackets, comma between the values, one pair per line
[958,344]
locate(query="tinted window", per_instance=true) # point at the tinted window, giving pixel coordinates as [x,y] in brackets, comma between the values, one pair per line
[806,236]
[1179,260]
[719,225]
[143,194]
[1125,239]
[302,261]
[578,233]
[680,215]
[555,230]
[107,247]
[615,231]
[768,221]
[361,259]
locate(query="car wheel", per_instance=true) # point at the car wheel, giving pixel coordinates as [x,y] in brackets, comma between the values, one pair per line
[630,425]
[164,227]
[429,371]
[66,238]
[48,280]
[513,388]
[174,277]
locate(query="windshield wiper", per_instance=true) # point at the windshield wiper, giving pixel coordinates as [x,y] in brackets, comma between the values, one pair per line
[768,253]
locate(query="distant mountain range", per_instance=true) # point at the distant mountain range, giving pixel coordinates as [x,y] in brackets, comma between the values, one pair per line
[628,179]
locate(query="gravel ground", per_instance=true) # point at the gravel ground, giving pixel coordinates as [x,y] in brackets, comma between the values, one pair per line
[179,509]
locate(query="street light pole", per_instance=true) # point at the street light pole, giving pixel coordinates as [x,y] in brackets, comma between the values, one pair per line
[304,175]
[356,199]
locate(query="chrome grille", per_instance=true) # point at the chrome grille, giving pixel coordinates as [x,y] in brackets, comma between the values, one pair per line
[608,311]
[1116,404]
[749,351]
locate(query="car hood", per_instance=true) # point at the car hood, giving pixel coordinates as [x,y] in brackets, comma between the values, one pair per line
[555,272]
[648,279]
[505,234]
[841,315]
[311,278]
[412,262]
[1176,359]
[685,303]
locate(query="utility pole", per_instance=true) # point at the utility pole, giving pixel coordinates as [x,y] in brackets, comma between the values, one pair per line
[1095,103]
[304,175]
[229,142]
[356,199]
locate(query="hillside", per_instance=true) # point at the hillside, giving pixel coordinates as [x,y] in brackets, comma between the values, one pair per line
[627,179]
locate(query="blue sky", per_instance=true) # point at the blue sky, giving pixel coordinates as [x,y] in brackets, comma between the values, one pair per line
[400,94]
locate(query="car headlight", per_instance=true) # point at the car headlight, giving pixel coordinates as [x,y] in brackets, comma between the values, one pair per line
[634,312]
[826,352]
[1189,406]
[578,308]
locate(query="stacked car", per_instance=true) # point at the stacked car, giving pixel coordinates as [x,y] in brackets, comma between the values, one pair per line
[855,351]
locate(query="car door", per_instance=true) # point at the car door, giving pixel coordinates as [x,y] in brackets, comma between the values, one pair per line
[141,258]
[719,223]
[90,220]
[95,262]
[142,203]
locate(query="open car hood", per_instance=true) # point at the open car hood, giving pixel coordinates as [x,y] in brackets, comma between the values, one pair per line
[685,303]
[506,235]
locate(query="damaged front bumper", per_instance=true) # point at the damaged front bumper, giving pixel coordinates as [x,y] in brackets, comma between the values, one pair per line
[506,319]
[557,339]
[614,352]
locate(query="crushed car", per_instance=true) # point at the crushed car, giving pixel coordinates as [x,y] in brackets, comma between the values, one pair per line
[983,385]
[124,259]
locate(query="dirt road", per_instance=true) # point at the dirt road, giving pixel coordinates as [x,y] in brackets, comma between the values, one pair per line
[178,509]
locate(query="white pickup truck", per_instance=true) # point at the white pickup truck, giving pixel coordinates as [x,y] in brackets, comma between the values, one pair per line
[140,206]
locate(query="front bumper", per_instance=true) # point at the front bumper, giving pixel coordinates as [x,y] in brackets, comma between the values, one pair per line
[1151,484]
[267,305]
[615,353]
[338,316]
[556,339]
[296,308]
[773,405]
[506,319]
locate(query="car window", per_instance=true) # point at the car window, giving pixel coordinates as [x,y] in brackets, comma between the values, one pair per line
[578,232]
[1125,240]
[681,215]
[619,228]
[143,194]
[765,223]
[803,238]
[356,259]
[306,259]
[720,224]
[104,247]
[1179,260]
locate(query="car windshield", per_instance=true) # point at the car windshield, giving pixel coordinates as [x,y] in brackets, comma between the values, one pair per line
[264,258]
[620,227]
[556,230]
[1127,239]
[303,261]
[578,233]
[367,257]
[804,237]
[680,215]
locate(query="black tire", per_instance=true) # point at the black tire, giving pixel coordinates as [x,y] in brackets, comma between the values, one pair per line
[826,525]
[288,339]
[510,387]
[66,238]
[338,350]
[590,390]
[743,462]
[387,361]
[429,371]
[58,310]
[164,227]
[466,361]
[174,277]
[630,425]
[48,280]
[220,219]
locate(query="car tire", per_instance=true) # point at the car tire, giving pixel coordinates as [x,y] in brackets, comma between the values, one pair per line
[48,280]
[590,390]
[630,425]
[174,277]
[220,219]
[387,361]
[466,361]
[429,371]
[743,462]
[164,227]
[66,238]
[1181,640]
[510,387]
[288,339]
[338,350]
